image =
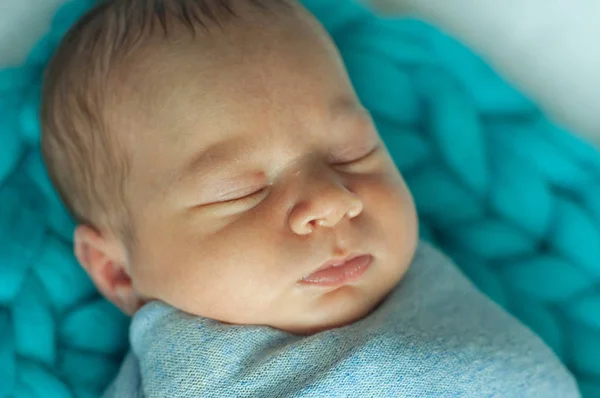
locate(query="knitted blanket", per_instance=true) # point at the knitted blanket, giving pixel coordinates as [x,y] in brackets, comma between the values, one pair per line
[510,196]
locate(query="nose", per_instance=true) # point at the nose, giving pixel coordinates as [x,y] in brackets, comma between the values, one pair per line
[325,203]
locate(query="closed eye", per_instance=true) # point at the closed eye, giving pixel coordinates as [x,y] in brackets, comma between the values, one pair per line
[355,159]
[251,197]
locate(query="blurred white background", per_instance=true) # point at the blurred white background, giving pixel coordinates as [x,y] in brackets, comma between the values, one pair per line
[548,47]
[22,22]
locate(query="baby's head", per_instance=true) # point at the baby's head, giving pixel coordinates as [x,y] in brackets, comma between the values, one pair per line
[214,154]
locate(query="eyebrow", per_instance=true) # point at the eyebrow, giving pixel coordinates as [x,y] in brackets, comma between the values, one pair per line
[215,156]
[209,159]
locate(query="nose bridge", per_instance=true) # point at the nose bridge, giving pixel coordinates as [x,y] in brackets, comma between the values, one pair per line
[318,176]
[313,178]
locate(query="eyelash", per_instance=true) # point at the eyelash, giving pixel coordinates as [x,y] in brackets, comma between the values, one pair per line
[338,162]
[244,199]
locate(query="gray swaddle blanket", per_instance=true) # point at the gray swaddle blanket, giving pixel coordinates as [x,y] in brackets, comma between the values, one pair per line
[434,336]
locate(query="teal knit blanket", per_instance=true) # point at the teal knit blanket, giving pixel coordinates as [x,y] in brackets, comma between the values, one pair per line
[513,198]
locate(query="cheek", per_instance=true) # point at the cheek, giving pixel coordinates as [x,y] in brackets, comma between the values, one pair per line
[390,205]
[208,275]
[161,260]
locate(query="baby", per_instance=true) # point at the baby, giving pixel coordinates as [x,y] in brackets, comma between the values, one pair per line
[234,196]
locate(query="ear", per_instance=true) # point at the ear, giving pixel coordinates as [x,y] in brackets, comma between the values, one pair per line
[105,260]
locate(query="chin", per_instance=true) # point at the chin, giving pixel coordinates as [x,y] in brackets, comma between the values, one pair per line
[311,330]
[307,331]
[342,310]
[348,304]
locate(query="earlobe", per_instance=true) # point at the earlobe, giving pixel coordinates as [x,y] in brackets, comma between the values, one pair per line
[105,261]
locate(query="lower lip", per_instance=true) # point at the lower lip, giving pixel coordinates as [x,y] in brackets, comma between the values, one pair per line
[348,272]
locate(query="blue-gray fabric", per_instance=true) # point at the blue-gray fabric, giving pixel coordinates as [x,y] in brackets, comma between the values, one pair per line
[434,336]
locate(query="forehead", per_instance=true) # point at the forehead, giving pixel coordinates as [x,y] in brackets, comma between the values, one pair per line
[267,76]
[259,49]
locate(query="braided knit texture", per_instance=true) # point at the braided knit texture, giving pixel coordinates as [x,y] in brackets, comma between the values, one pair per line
[510,196]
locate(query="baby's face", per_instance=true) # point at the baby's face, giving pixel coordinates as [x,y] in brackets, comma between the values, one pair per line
[254,164]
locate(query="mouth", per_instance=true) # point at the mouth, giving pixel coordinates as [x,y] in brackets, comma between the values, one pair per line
[339,271]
